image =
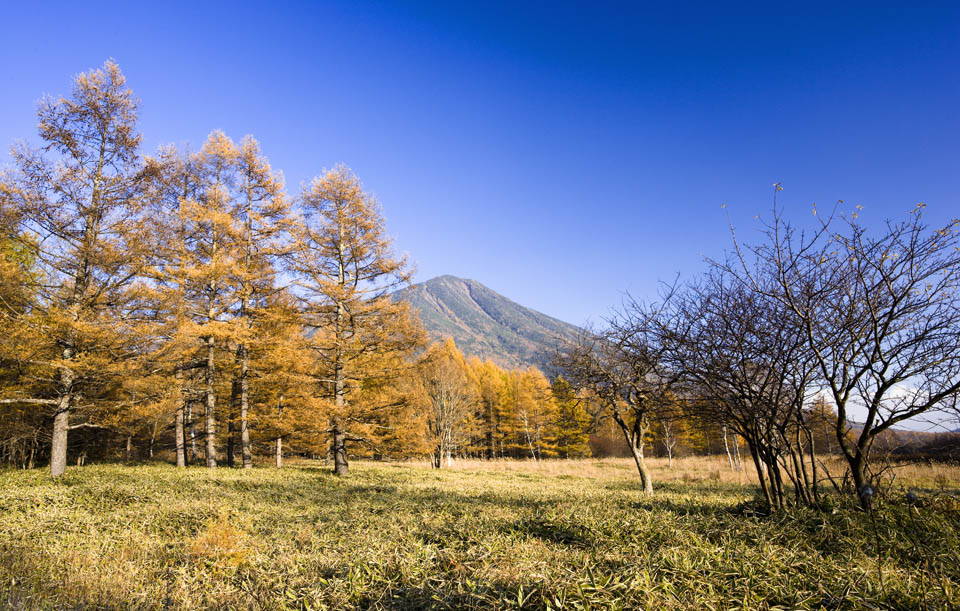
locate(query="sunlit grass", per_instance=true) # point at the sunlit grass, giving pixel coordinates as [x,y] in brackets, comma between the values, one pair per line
[502,534]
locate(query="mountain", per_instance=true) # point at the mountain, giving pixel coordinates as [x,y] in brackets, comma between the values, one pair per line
[486,324]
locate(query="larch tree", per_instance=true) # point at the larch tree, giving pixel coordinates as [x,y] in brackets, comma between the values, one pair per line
[79,200]
[207,270]
[573,420]
[534,412]
[346,269]
[178,181]
[263,211]
[491,382]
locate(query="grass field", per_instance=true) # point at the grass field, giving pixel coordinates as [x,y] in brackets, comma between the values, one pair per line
[564,534]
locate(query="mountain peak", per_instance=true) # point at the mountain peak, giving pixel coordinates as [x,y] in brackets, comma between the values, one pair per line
[484,323]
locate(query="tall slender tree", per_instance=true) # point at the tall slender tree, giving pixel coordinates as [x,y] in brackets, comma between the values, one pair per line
[346,269]
[263,211]
[208,269]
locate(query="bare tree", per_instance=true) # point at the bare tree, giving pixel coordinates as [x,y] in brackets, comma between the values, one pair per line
[880,314]
[746,368]
[622,367]
[450,397]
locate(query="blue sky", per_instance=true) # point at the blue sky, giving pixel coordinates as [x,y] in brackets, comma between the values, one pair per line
[559,153]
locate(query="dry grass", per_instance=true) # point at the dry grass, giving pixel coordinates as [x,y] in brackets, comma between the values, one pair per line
[924,476]
[506,534]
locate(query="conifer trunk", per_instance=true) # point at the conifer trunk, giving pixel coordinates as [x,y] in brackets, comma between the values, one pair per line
[210,405]
[61,420]
[58,447]
[245,408]
[340,466]
[178,435]
[279,437]
[230,431]
[180,439]
[193,432]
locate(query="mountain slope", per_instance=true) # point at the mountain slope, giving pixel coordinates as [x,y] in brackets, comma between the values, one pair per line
[484,323]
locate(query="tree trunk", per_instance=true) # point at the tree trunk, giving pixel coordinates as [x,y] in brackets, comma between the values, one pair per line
[340,466]
[153,436]
[58,447]
[636,449]
[230,458]
[726,446]
[178,434]
[61,420]
[813,467]
[245,408]
[860,483]
[279,437]
[129,448]
[645,478]
[761,476]
[180,440]
[210,405]
[193,433]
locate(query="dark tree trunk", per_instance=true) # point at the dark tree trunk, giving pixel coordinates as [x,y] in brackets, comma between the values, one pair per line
[340,466]
[636,449]
[230,459]
[245,408]
[760,474]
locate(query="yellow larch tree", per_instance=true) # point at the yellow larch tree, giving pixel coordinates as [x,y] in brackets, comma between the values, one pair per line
[80,201]
[360,337]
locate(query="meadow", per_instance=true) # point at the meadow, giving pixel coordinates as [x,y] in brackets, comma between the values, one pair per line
[502,534]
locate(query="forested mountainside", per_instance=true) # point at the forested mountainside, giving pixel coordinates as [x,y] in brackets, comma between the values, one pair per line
[486,324]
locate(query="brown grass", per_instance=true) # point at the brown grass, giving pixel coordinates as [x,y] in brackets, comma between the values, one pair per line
[932,476]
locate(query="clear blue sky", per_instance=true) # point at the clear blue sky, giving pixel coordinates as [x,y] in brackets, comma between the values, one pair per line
[559,153]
